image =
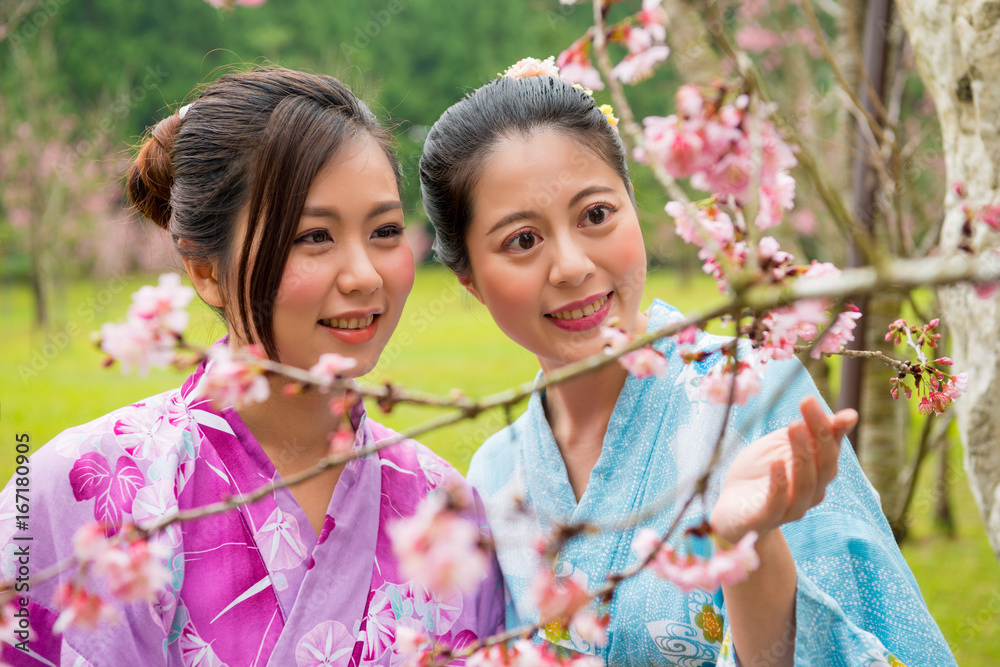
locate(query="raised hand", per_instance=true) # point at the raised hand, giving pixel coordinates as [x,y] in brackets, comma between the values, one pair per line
[780,476]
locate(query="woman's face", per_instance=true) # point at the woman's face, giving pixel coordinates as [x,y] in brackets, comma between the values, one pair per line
[555,249]
[350,268]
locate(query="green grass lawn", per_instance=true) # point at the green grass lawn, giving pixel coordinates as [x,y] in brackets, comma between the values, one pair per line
[52,380]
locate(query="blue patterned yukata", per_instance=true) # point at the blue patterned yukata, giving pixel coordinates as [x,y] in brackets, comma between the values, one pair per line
[857,602]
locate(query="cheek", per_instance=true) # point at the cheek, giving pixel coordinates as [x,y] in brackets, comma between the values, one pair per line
[302,282]
[629,257]
[397,272]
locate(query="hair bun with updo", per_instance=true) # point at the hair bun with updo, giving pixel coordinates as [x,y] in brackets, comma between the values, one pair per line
[151,175]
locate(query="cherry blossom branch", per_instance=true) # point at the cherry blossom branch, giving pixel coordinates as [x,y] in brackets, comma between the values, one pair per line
[900,275]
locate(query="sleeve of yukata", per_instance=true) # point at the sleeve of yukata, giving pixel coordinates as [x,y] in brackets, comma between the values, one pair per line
[56,508]
[857,601]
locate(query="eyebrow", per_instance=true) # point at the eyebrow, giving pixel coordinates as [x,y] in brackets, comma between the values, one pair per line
[531,215]
[377,210]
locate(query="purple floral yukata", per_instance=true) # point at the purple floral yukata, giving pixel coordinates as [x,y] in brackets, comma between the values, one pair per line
[253,586]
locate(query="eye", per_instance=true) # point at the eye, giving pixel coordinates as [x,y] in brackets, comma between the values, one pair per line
[521,240]
[315,236]
[387,232]
[599,213]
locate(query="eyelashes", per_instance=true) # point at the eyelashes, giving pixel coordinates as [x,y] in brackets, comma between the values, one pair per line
[526,238]
[320,236]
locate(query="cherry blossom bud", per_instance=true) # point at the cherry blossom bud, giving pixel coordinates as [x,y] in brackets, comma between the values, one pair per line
[687,336]
[342,442]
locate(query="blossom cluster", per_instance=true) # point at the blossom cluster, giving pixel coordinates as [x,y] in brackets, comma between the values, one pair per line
[131,567]
[438,546]
[721,147]
[643,35]
[154,323]
[688,571]
[562,602]
[937,388]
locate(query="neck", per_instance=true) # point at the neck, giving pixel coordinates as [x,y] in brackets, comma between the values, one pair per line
[294,431]
[582,407]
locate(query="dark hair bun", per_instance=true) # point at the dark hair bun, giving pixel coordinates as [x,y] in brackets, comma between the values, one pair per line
[152,174]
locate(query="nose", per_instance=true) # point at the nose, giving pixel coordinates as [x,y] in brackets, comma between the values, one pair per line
[357,273]
[571,264]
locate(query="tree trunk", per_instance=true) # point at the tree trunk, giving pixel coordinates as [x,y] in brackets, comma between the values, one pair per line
[882,427]
[957,48]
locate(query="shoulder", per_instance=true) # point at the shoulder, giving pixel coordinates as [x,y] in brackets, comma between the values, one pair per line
[145,430]
[494,462]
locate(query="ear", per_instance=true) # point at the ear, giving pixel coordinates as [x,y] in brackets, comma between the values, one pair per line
[206,281]
[470,285]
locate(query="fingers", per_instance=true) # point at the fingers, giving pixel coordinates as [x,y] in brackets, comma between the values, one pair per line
[826,433]
[803,483]
[777,497]
[844,422]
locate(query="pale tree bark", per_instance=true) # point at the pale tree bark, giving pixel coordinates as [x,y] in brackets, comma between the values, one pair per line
[957,48]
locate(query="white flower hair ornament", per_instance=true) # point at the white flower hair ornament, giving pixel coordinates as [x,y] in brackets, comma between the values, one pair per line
[527,67]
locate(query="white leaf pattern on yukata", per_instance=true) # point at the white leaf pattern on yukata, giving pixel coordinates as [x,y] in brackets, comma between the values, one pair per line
[329,644]
[280,544]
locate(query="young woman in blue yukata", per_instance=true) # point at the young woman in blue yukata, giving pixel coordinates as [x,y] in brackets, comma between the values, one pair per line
[527,186]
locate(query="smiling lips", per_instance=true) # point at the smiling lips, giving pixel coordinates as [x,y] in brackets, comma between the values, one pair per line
[579,317]
[352,330]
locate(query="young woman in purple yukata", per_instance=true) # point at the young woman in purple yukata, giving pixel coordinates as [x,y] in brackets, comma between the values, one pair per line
[281,193]
[527,186]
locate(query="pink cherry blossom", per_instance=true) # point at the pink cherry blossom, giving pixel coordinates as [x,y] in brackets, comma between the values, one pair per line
[438,548]
[839,334]
[134,345]
[134,571]
[775,199]
[231,381]
[653,19]
[9,625]
[757,39]
[342,442]
[677,144]
[163,307]
[614,338]
[584,75]
[644,362]
[331,366]
[990,215]
[80,608]
[717,384]
[688,572]
[958,385]
[591,627]
[89,541]
[689,101]
[687,336]
[637,67]
[637,40]
[557,599]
